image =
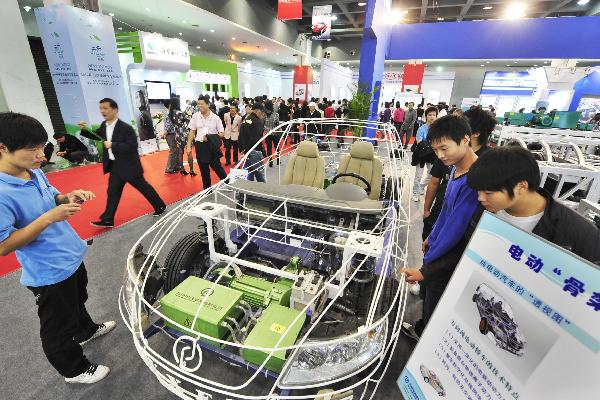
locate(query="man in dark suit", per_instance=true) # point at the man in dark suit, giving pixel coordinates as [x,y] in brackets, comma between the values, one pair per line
[120,158]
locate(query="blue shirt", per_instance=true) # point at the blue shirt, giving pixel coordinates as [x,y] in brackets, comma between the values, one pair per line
[58,251]
[459,206]
[422,133]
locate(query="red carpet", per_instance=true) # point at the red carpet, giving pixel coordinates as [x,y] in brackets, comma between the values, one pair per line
[171,188]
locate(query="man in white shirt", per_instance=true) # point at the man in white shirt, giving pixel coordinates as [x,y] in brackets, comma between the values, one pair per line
[206,131]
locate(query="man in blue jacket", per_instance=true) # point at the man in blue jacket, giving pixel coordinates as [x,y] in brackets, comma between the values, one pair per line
[449,137]
[33,222]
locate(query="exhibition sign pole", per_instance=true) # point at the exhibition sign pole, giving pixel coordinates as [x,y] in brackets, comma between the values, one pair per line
[520,319]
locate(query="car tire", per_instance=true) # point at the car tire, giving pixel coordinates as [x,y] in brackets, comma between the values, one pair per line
[187,257]
[475,298]
[483,326]
[426,379]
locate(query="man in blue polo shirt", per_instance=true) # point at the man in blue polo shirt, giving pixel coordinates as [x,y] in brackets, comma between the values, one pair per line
[33,223]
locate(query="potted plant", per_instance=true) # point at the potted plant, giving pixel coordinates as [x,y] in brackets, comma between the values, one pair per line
[359,106]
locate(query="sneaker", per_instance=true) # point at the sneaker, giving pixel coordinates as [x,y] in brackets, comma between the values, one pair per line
[93,374]
[159,212]
[409,330]
[415,197]
[102,224]
[102,330]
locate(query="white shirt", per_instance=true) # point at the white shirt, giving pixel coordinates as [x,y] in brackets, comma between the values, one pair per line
[110,128]
[525,223]
[442,113]
[203,126]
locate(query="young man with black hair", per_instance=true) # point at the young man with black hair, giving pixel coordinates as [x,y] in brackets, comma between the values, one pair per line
[120,159]
[33,223]
[514,195]
[449,137]
[70,148]
[482,125]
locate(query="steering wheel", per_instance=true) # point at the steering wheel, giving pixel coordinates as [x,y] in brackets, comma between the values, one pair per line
[364,180]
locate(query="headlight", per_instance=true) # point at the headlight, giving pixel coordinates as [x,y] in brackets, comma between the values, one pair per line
[322,363]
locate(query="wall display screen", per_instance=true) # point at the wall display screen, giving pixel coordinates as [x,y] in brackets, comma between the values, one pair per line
[501,83]
[589,106]
[158,90]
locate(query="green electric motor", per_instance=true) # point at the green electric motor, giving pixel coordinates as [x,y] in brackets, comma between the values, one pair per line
[181,305]
[275,322]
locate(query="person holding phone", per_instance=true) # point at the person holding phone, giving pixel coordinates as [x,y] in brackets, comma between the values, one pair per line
[33,223]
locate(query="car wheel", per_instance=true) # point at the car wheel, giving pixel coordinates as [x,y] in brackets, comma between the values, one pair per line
[441,394]
[188,257]
[426,379]
[483,326]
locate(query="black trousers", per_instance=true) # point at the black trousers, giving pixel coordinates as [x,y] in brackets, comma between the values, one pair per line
[272,141]
[64,322]
[115,189]
[431,293]
[231,144]
[202,155]
[76,156]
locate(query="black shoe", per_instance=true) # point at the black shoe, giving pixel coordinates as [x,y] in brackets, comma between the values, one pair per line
[159,212]
[183,172]
[409,331]
[270,163]
[102,224]
[192,173]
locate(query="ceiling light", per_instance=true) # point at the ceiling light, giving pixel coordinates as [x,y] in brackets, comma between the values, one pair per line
[180,33]
[204,40]
[147,9]
[487,62]
[27,8]
[439,69]
[545,62]
[395,17]
[488,7]
[333,17]
[184,21]
[535,65]
[404,12]
[265,49]
[197,47]
[514,62]
[440,19]
[119,28]
[582,2]
[482,65]
[232,38]
[212,31]
[515,10]
[276,54]
[111,14]
[362,4]
[508,65]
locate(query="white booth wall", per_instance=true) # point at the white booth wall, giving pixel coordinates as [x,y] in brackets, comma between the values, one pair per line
[255,80]
[436,87]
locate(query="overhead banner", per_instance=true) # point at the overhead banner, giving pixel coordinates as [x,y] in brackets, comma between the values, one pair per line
[412,77]
[289,9]
[519,319]
[208,77]
[159,52]
[321,22]
[81,49]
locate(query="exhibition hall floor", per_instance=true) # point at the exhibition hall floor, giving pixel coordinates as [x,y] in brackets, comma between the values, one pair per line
[28,376]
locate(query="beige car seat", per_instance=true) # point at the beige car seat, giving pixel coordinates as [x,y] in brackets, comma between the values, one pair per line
[362,161]
[305,167]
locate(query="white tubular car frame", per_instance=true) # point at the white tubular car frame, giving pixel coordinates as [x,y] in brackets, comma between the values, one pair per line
[339,251]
